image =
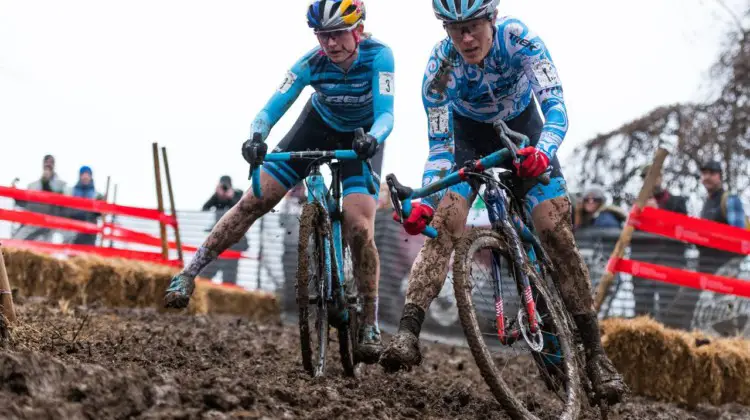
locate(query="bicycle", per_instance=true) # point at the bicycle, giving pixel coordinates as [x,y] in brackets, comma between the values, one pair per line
[542,324]
[320,284]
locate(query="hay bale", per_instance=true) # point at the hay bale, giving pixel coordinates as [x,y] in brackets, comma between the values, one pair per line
[257,306]
[667,365]
[36,274]
[655,362]
[115,282]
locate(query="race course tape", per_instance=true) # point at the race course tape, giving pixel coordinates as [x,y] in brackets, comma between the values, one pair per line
[95,206]
[72,250]
[691,229]
[108,231]
[695,280]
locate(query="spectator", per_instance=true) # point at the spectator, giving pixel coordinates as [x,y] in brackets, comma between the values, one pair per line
[85,188]
[721,207]
[223,199]
[48,182]
[592,211]
[225,196]
[661,198]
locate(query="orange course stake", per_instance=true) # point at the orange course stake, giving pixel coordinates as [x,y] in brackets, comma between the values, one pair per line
[6,296]
[627,232]
[160,202]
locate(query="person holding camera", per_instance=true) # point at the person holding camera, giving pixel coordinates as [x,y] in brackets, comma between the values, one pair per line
[225,196]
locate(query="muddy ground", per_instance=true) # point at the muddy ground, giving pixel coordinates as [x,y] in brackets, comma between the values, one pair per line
[99,363]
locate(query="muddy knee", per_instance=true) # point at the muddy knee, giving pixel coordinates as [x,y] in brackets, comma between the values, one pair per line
[569,270]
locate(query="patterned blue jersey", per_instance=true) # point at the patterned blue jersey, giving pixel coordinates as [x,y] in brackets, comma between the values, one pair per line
[517,66]
[346,100]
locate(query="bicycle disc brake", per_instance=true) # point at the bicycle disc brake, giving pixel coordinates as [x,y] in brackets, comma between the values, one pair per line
[534,340]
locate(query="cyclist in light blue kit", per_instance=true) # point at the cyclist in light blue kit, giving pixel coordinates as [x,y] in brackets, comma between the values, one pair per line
[479,73]
[352,74]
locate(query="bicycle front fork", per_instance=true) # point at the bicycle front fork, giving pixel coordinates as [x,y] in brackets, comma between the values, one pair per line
[497,210]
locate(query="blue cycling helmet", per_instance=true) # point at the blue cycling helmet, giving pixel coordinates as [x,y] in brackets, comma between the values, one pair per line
[461,10]
[335,15]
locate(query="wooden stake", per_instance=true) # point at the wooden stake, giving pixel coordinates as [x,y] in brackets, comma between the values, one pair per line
[104,215]
[627,233]
[114,216]
[177,240]
[160,202]
[6,299]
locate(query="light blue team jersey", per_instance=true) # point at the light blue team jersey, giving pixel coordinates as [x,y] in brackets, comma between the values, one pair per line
[517,66]
[346,100]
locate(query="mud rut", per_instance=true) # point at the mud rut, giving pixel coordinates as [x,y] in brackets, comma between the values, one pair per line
[101,363]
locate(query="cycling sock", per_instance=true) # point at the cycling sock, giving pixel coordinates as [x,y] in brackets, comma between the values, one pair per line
[203,256]
[412,319]
[588,327]
[371,310]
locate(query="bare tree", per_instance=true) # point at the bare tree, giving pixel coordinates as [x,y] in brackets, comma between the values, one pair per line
[718,130]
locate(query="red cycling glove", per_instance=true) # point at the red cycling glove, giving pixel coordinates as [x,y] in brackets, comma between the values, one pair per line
[535,163]
[418,219]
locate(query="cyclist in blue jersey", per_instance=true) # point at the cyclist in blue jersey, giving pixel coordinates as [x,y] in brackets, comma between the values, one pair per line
[352,74]
[479,73]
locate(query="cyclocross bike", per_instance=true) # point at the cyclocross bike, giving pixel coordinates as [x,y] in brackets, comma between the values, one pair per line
[325,297]
[507,262]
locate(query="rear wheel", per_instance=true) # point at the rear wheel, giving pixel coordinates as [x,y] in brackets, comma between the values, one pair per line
[542,362]
[312,288]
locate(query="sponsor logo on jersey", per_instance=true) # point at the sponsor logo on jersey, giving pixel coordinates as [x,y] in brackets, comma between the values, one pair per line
[523,41]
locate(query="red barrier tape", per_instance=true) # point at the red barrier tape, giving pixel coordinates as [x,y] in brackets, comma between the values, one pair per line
[702,281]
[108,231]
[70,249]
[45,220]
[96,206]
[690,229]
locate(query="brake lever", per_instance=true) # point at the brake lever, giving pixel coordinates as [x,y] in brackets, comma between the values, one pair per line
[394,199]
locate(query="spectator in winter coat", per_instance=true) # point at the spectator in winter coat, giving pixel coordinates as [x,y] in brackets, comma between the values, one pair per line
[49,182]
[85,188]
[592,211]
[225,197]
[662,199]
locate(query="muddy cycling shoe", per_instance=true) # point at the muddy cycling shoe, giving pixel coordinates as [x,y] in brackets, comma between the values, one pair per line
[179,291]
[369,347]
[402,353]
[607,384]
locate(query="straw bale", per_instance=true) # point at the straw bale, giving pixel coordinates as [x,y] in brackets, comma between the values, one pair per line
[37,274]
[118,282]
[258,306]
[655,362]
[668,364]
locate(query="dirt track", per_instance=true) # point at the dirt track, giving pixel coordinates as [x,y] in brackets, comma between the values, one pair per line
[102,363]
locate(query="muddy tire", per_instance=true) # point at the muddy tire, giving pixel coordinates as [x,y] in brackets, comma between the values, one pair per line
[349,333]
[473,241]
[311,288]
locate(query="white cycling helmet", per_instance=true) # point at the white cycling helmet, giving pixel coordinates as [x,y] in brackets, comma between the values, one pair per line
[450,11]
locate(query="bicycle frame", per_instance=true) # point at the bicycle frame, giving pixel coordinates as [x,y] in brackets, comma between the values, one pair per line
[514,229]
[330,201]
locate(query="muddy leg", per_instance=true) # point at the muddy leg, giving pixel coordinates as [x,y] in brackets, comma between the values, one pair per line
[552,221]
[228,231]
[359,225]
[425,281]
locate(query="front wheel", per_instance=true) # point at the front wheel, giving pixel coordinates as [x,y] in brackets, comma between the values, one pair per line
[530,362]
[312,288]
